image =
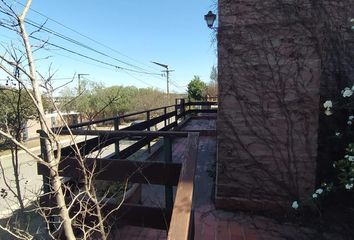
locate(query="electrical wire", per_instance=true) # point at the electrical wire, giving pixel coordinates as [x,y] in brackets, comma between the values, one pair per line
[71,40]
[142,80]
[107,68]
[87,37]
[125,70]
[85,56]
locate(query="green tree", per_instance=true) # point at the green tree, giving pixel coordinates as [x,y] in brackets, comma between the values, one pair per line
[196,88]
[16,109]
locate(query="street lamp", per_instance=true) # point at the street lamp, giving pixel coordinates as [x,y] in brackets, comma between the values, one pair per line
[210,19]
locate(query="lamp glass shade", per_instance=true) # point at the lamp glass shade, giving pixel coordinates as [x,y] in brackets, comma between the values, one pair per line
[210,19]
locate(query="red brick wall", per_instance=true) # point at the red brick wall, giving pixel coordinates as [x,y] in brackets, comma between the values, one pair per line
[269,81]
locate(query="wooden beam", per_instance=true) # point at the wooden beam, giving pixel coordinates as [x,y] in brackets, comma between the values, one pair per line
[88,123]
[149,123]
[160,173]
[181,221]
[130,133]
[89,145]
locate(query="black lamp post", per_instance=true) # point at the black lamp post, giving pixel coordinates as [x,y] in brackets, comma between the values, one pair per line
[210,19]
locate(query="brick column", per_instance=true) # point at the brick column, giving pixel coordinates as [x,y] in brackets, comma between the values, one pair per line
[269,81]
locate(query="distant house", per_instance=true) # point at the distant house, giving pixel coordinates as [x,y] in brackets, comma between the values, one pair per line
[53,119]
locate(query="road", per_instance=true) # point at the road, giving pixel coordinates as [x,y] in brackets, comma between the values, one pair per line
[30,181]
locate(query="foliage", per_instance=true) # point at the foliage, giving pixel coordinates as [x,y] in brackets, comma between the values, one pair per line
[98,101]
[196,88]
[341,177]
[16,108]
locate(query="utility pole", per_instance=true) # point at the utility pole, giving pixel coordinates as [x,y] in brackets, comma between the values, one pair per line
[167,71]
[79,82]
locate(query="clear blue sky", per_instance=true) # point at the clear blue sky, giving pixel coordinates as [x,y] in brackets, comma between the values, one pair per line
[165,31]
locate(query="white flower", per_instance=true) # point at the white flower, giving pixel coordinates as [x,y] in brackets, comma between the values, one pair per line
[314,195]
[353,88]
[346,156]
[351,158]
[328,112]
[349,186]
[337,134]
[334,165]
[351,179]
[347,92]
[349,122]
[295,205]
[328,104]
[319,191]
[351,117]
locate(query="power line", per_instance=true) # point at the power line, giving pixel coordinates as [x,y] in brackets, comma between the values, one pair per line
[142,80]
[62,36]
[176,85]
[32,23]
[125,70]
[85,56]
[85,36]
[110,69]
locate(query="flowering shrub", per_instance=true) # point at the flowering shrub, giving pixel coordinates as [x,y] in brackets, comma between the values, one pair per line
[343,166]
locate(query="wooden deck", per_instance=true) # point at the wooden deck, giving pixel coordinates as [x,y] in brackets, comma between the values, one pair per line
[210,223]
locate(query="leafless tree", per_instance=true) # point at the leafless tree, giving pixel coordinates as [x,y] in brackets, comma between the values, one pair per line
[72,204]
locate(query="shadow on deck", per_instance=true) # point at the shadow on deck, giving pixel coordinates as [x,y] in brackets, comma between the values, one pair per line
[211,223]
[177,183]
[153,195]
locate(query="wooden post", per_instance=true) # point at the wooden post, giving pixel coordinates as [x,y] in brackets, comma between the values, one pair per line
[116,144]
[167,148]
[148,129]
[183,108]
[176,111]
[165,112]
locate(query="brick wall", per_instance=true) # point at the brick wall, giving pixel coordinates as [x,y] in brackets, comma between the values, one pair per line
[270,66]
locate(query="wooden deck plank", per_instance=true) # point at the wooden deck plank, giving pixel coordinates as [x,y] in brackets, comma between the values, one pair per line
[180,225]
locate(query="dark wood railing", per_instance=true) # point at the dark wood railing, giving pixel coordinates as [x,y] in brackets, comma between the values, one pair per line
[177,216]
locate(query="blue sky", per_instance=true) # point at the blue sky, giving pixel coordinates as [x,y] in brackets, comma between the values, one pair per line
[165,31]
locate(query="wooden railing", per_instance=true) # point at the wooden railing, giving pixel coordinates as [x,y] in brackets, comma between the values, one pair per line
[177,216]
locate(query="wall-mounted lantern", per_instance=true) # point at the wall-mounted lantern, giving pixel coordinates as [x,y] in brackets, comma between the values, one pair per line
[210,19]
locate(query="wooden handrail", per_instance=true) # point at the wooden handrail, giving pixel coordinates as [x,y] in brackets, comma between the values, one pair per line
[112,118]
[182,215]
[122,133]
[182,224]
